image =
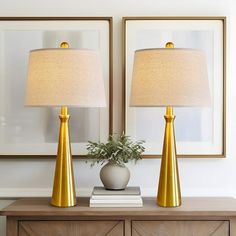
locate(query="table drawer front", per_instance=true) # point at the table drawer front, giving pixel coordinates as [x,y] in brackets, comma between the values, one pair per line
[180,228]
[71,228]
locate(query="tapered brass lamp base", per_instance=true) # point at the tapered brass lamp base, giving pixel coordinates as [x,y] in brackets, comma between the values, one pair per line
[64,188]
[169,194]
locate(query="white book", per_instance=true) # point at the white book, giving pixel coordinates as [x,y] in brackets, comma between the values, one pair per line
[129,197]
[129,191]
[139,201]
[115,205]
[113,197]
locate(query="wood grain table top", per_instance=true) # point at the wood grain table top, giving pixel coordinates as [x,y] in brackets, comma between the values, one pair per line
[191,206]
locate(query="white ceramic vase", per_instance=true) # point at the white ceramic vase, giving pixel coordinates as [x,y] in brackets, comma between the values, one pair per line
[114,176]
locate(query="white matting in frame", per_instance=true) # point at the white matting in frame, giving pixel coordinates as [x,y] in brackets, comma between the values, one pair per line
[199,131]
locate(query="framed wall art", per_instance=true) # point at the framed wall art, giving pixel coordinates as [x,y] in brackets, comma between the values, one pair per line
[200,131]
[32,131]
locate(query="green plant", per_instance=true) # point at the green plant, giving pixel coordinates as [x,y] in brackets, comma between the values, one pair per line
[119,149]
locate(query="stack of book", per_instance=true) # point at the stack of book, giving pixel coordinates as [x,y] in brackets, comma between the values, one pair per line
[129,197]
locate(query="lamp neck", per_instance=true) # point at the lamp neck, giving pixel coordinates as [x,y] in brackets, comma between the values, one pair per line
[64,116]
[169,116]
[64,111]
[169,111]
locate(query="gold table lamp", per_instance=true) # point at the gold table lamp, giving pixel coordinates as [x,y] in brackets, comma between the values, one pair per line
[64,77]
[168,77]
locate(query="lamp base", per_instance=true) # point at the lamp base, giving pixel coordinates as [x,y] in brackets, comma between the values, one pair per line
[169,194]
[64,188]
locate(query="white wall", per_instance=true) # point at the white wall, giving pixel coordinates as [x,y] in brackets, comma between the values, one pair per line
[198,176]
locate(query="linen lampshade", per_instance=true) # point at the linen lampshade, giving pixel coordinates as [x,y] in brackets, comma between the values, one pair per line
[65,77]
[169,77]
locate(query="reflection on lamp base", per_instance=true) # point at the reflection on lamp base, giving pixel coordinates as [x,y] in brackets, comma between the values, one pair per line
[64,187]
[169,194]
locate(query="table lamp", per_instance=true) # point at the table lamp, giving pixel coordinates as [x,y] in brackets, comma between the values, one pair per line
[64,77]
[169,77]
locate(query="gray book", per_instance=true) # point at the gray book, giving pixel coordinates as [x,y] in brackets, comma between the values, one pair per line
[134,191]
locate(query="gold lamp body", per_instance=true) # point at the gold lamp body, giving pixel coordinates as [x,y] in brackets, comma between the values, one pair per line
[169,194]
[63,194]
[64,187]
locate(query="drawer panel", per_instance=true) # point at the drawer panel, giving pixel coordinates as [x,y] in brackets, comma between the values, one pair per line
[71,228]
[180,228]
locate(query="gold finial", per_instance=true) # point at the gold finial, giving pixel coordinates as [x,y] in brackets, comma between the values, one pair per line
[169,45]
[64,45]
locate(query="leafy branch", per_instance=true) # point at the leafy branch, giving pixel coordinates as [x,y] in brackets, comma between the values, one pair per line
[119,149]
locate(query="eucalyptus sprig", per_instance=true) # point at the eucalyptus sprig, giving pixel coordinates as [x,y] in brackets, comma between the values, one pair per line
[119,149]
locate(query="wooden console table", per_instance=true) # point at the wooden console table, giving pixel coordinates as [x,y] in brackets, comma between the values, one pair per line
[196,217]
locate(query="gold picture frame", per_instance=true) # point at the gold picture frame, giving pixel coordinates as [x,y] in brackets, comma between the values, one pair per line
[22,133]
[144,32]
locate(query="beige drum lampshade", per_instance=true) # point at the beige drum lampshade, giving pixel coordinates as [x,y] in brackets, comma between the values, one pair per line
[169,77]
[65,77]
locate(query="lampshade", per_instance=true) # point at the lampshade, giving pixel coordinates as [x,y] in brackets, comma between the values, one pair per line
[169,77]
[65,77]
